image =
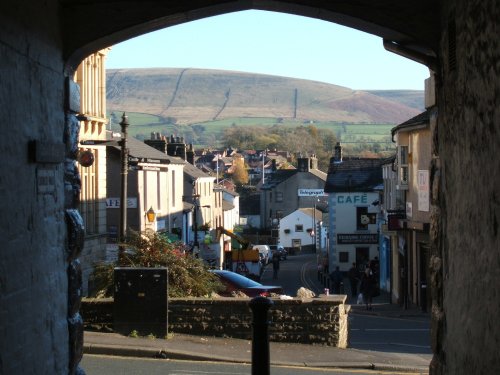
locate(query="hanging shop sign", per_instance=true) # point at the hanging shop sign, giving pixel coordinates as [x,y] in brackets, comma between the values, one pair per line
[86,158]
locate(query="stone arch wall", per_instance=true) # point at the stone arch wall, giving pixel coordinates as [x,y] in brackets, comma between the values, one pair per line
[94,26]
[466,212]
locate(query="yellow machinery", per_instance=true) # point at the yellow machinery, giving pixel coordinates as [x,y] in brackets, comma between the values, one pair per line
[246,260]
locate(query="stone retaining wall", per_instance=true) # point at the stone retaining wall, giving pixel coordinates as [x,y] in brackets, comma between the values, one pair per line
[313,321]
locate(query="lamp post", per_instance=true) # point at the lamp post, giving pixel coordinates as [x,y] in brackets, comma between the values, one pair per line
[123,196]
[196,244]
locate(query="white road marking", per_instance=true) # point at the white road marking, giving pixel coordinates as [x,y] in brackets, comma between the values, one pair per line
[398,329]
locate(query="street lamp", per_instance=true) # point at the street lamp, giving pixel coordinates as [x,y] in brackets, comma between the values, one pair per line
[151,215]
[123,196]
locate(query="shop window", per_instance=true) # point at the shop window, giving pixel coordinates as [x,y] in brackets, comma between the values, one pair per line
[343,257]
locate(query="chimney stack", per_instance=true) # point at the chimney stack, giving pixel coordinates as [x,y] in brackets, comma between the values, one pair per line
[157,141]
[337,157]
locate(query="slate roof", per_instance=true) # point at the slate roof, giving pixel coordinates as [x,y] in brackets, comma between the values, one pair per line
[139,149]
[281,175]
[421,119]
[309,211]
[192,171]
[230,192]
[276,178]
[207,158]
[355,175]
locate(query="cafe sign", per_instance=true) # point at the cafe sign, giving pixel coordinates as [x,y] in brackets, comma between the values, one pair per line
[357,238]
[115,203]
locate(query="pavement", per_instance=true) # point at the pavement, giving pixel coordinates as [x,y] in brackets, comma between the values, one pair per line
[203,348]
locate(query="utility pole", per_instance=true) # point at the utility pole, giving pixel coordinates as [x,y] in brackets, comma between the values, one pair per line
[314,227]
[263,166]
[123,196]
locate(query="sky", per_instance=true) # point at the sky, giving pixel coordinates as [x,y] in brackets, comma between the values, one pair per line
[276,44]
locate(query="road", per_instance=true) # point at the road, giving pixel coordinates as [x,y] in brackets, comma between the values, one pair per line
[295,272]
[367,332]
[104,365]
[395,335]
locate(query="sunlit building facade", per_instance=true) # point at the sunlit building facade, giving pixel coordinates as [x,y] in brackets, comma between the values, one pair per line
[91,77]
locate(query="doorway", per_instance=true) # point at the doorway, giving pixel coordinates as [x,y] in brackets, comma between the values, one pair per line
[362,258]
[296,245]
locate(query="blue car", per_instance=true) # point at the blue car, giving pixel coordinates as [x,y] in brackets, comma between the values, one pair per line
[234,282]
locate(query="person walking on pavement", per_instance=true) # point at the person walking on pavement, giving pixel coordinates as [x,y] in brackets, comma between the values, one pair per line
[276,265]
[353,275]
[367,287]
[336,279]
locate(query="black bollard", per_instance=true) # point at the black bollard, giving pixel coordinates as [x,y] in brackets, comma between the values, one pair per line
[260,336]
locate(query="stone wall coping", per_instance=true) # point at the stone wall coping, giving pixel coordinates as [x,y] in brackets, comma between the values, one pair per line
[328,300]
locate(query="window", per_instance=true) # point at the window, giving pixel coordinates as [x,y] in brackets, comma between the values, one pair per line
[403,167]
[299,228]
[343,257]
[279,196]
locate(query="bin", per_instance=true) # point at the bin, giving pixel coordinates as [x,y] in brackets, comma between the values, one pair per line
[140,301]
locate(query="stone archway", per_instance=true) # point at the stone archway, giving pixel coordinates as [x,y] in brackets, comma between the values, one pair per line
[427,32]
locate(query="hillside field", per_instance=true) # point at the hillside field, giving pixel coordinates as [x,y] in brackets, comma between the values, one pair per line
[142,125]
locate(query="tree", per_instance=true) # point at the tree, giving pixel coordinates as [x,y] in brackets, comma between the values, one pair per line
[240,173]
[187,276]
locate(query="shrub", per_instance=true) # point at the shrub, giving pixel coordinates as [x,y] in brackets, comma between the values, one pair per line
[187,276]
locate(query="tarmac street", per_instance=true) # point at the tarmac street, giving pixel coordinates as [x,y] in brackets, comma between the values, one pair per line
[106,365]
[387,338]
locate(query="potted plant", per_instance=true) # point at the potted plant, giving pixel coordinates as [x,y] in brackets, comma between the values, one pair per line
[205,227]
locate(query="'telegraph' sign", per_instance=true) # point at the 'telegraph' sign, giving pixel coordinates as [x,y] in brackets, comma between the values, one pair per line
[311,193]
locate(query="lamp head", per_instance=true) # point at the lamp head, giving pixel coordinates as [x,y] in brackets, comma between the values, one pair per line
[151,215]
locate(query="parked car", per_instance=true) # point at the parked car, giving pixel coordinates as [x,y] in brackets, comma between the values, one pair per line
[234,282]
[280,250]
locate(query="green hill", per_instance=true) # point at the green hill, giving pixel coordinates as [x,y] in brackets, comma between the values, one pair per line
[194,96]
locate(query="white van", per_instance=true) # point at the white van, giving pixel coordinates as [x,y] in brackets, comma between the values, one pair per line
[264,252]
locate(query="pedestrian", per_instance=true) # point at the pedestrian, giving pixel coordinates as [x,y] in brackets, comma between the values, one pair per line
[276,265]
[336,279]
[375,266]
[353,275]
[367,287]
